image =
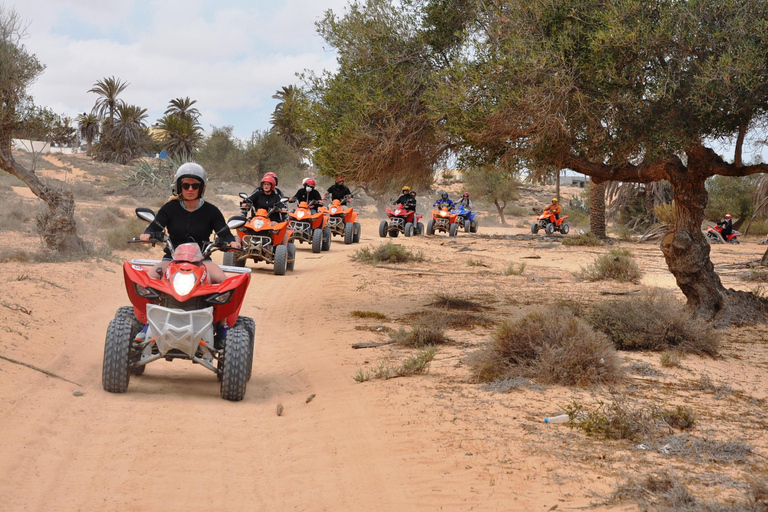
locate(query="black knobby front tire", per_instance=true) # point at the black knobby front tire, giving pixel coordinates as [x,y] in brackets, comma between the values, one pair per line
[281,260]
[549,228]
[317,240]
[535,228]
[235,372]
[383,228]
[408,230]
[453,230]
[250,326]
[115,370]
[431,227]
[419,228]
[349,233]
[564,228]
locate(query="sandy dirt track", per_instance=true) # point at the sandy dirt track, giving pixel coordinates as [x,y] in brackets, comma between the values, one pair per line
[434,442]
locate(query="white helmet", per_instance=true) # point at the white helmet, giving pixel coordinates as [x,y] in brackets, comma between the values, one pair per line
[191,170]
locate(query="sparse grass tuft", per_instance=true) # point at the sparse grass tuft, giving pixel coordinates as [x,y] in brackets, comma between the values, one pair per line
[512,271]
[681,417]
[756,275]
[620,419]
[585,239]
[421,334]
[117,237]
[416,364]
[670,359]
[476,262]
[448,302]
[653,321]
[14,216]
[460,320]
[387,253]
[566,352]
[368,314]
[706,450]
[706,384]
[618,264]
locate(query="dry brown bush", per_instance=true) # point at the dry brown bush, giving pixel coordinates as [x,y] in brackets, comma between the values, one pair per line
[422,334]
[618,264]
[653,321]
[566,351]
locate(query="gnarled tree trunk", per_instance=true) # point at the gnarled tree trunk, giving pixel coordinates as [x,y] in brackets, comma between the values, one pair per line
[57,225]
[686,251]
[500,210]
[597,208]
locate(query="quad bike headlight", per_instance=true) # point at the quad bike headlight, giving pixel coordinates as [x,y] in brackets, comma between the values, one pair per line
[397,212]
[220,298]
[147,293]
[183,282]
[258,223]
[334,209]
[300,213]
[443,214]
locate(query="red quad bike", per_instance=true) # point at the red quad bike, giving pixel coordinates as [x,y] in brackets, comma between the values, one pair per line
[310,227]
[715,236]
[443,220]
[343,221]
[549,224]
[402,221]
[187,317]
[264,240]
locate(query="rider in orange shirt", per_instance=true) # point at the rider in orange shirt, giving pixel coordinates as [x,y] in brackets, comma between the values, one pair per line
[553,208]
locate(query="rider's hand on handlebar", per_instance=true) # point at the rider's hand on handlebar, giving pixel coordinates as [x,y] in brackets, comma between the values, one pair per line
[144,237]
[235,245]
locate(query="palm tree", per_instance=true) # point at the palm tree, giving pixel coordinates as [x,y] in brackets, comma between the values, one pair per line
[182,107]
[89,127]
[108,90]
[286,119]
[182,135]
[126,138]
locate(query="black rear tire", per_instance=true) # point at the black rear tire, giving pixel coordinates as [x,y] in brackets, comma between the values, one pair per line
[115,374]
[358,230]
[235,372]
[419,228]
[291,256]
[431,227]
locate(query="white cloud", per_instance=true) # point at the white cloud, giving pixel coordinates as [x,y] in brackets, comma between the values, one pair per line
[231,56]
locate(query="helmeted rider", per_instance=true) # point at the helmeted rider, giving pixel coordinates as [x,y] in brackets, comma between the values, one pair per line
[553,209]
[267,197]
[308,193]
[465,202]
[338,191]
[276,189]
[407,199]
[444,201]
[189,218]
[726,226]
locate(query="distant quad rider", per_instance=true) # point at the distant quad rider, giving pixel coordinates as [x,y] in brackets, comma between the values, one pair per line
[444,201]
[277,190]
[338,191]
[726,226]
[408,200]
[308,193]
[553,209]
[266,197]
[465,202]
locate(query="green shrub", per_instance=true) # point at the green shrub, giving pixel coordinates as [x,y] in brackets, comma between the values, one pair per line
[653,321]
[618,264]
[117,237]
[387,253]
[586,239]
[563,351]
[414,365]
[512,271]
[450,302]
[670,359]
[622,418]
[421,334]
[368,314]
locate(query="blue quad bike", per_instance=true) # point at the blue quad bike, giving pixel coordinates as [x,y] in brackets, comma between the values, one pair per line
[467,219]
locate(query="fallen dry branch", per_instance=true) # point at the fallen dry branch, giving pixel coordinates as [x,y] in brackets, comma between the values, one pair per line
[50,374]
[372,344]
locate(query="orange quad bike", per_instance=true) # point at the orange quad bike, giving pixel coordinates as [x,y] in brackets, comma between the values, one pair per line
[342,220]
[443,220]
[310,227]
[264,240]
[549,224]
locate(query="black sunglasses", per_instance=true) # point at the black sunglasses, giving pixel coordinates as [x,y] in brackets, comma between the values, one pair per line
[193,186]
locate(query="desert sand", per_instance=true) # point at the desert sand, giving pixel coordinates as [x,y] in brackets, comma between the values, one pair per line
[438,441]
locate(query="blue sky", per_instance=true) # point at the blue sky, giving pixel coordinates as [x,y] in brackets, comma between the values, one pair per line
[229,55]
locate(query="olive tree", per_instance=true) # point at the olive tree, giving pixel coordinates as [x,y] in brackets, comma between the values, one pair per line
[630,90]
[18,70]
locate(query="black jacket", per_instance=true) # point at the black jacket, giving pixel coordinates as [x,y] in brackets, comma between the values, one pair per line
[303,195]
[266,201]
[408,201]
[727,226]
[339,192]
[184,226]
